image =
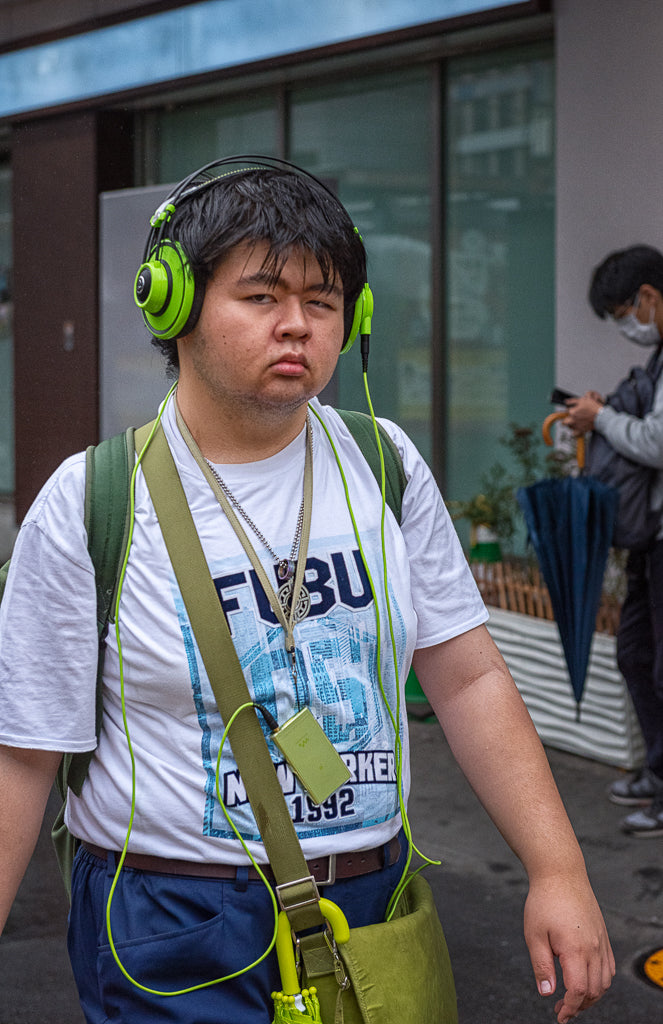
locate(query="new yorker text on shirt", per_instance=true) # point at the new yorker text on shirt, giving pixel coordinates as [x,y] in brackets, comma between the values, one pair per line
[367,767]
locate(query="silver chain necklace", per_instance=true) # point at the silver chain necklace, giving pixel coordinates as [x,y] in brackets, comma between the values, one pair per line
[285,566]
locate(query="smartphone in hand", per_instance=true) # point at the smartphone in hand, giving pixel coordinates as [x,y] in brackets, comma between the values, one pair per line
[559,396]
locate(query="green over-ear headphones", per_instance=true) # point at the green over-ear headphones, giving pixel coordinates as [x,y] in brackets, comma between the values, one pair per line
[165,289]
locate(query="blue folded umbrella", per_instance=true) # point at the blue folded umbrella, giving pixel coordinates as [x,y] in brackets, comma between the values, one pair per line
[570,523]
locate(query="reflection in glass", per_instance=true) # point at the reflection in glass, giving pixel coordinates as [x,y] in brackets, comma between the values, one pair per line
[500,255]
[187,137]
[369,140]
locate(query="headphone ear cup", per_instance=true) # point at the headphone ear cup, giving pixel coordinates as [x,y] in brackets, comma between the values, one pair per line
[361,320]
[166,293]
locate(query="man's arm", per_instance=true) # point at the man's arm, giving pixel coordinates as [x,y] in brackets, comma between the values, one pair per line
[494,741]
[26,777]
[639,439]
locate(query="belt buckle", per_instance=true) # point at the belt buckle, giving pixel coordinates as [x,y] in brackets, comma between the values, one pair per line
[331,871]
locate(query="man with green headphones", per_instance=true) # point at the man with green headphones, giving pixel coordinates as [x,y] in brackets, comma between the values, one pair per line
[253,281]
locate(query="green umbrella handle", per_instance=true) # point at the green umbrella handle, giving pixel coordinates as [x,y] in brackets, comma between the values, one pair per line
[285,951]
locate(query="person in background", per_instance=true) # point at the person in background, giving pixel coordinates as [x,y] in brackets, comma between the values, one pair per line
[627,289]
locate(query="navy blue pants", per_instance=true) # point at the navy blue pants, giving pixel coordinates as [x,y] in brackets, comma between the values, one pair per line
[173,932]
[640,647]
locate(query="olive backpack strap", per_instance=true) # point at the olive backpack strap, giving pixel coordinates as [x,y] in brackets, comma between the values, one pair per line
[109,466]
[107,475]
[361,427]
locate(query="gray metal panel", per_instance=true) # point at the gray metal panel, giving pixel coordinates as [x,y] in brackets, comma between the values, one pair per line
[132,378]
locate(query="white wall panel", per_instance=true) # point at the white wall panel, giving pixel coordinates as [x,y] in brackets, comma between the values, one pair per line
[607,729]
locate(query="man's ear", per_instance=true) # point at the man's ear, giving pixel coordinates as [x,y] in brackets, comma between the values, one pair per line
[653,305]
[652,295]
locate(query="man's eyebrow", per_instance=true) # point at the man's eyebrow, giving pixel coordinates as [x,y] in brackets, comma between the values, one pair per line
[260,277]
[264,277]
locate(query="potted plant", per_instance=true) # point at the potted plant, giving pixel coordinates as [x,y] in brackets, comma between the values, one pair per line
[490,514]
[493,512]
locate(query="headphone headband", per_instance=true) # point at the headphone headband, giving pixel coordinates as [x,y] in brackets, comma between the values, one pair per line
[204,176]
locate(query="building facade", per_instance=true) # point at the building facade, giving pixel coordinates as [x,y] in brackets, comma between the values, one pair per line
[451,129]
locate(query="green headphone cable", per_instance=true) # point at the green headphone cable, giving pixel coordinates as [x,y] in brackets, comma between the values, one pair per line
[244,970]
[407,876]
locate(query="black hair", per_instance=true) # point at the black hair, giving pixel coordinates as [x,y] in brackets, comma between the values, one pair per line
[616,280]
[290,211]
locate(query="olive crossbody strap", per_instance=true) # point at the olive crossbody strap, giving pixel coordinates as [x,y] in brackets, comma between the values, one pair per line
[296,888]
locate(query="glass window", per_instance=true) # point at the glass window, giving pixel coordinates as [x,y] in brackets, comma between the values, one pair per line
[6,337]
[190,136]
[370,140]
[500,255]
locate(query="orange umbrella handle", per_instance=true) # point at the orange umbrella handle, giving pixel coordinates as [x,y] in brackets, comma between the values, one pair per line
[547,436]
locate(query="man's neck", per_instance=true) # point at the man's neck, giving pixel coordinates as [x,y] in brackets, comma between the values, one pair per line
[237,436]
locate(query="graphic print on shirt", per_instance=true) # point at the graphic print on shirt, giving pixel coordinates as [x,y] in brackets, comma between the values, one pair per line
[336,678]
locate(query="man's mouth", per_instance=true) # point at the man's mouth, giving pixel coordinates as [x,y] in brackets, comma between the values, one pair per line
[290,365]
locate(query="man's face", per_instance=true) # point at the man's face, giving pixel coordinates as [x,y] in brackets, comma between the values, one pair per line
[646,306]
[640,318]
[263,345]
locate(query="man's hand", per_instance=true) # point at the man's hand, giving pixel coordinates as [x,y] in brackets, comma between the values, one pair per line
[565,922]
[582,412]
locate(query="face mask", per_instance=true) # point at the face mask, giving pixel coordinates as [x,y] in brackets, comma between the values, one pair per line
[640,334]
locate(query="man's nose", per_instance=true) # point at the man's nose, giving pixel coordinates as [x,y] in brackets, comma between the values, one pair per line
[293,321]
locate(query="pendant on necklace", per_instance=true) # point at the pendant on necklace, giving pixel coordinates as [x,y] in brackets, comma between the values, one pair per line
[285,569]
[303,605]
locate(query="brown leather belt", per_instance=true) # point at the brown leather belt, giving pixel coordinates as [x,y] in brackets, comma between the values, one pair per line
[325,870]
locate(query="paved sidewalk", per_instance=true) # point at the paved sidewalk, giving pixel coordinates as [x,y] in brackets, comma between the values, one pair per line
[480,892]
[481,889]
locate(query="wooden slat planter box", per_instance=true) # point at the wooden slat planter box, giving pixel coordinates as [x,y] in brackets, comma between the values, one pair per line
[518,587]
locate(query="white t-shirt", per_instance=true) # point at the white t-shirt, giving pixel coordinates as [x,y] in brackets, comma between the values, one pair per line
[48,647]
